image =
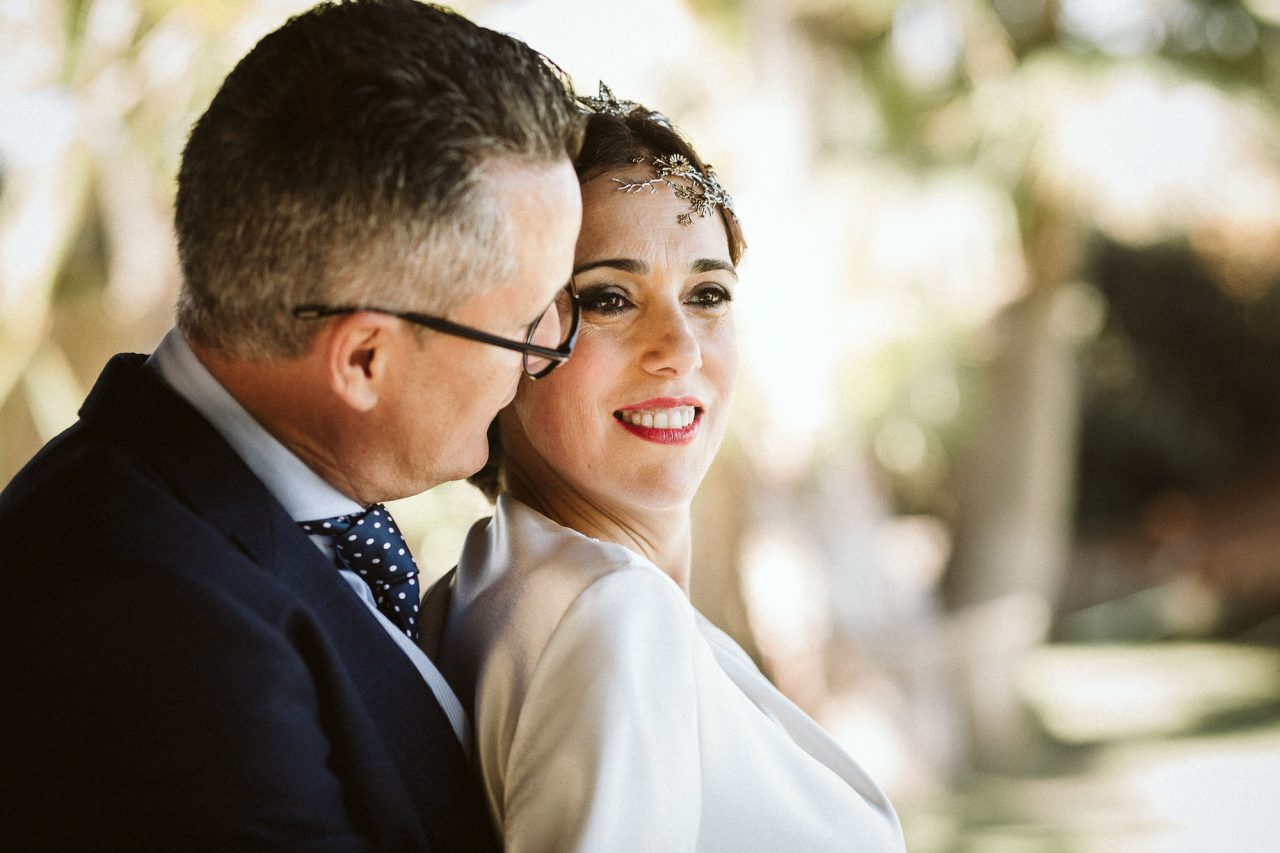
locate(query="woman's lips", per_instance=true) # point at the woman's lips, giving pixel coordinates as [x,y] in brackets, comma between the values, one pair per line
[662,421]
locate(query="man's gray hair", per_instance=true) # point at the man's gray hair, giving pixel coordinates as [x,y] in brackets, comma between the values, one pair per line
[344,161]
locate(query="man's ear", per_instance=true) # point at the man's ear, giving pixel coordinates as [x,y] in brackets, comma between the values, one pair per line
[359,352]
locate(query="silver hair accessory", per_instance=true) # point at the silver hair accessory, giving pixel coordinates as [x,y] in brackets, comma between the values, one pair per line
[700,189]
[606,103]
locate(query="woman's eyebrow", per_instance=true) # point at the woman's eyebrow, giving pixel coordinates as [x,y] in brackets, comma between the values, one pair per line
[637,267]
[713,264]
[627,265]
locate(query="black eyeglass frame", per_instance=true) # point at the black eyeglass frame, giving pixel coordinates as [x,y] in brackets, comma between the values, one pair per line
[554,356]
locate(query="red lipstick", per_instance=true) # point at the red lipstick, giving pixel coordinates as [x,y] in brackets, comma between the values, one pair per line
[663,435]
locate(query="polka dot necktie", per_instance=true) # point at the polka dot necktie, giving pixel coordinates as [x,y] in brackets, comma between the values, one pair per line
[368,544]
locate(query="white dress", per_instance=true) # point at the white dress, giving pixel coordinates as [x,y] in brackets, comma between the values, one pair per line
[611,716]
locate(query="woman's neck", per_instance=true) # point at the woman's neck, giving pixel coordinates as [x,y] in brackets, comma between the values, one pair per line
[663,536]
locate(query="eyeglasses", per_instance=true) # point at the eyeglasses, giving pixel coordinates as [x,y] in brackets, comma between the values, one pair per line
[538,360]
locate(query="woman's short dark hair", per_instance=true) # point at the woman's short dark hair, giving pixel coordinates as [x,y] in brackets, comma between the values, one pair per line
[617,139]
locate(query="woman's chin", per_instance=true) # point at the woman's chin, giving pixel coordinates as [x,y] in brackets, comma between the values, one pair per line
[658,495]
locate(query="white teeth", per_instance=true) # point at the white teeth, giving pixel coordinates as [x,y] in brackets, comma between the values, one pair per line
[677,418]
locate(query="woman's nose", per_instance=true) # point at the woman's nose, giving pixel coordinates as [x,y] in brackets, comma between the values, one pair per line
[670,344]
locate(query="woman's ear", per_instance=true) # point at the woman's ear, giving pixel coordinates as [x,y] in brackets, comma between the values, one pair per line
[360,355]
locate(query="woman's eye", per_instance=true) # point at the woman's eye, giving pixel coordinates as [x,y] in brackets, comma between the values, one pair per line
[604,301]
[710,296]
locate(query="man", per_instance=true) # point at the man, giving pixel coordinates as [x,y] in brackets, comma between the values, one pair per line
[374,216]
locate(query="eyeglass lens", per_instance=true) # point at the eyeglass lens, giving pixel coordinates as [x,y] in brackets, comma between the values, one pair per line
[551,330]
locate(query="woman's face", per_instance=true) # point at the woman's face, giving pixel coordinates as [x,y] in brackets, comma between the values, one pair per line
[635,417]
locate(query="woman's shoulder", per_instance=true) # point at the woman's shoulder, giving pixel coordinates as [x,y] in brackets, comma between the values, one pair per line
[521,575]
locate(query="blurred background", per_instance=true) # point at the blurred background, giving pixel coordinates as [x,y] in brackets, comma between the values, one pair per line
[1000,505]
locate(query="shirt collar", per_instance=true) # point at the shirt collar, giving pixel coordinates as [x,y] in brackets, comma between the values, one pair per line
[303,493]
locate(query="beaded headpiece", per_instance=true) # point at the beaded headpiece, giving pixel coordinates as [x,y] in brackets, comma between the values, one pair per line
[606,103]
[699,188]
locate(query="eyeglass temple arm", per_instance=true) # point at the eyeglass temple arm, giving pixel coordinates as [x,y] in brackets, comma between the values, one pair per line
[312,312]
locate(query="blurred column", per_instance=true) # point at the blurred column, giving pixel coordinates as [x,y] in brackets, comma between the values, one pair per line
[1016,491]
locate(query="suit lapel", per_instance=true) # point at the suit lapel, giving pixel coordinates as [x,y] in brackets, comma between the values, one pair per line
[132,403]
[141,412]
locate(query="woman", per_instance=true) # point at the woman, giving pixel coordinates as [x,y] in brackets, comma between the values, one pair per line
[609,714]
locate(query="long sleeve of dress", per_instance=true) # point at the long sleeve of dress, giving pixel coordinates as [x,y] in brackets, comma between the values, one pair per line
[605,753]
[609,717]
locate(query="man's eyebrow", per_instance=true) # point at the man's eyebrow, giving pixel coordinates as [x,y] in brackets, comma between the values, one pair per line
[713,264]
[627,265]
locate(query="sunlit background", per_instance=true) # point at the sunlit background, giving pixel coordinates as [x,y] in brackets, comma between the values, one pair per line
[1001,501]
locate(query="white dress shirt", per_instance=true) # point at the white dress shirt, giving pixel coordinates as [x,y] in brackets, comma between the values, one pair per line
[611,716]
[303,493]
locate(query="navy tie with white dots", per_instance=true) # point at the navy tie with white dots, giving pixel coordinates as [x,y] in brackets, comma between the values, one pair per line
[368,544]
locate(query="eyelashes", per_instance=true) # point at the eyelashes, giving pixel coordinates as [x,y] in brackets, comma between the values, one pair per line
[603,300]
[608,299]
[712,295]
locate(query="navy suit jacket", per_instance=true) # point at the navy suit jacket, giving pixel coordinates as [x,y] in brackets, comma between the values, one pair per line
[184,670]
